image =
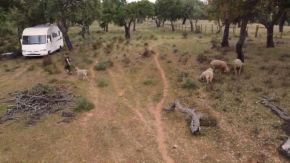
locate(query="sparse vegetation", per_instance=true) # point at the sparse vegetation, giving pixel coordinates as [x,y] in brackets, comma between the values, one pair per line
[189,84]
[83,105]
[102,83]
[46,61]
[100,67]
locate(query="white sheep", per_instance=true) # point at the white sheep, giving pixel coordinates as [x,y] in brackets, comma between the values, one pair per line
[221,65]
[208,75]
[238,64]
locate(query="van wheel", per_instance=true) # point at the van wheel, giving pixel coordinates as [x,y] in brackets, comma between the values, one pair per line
[60,48]
[49,53]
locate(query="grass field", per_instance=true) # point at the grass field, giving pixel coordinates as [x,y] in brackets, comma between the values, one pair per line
[128,123]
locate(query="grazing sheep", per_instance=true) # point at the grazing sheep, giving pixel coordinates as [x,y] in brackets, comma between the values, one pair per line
[221,65]
[208,75]
[238,64]
[82,72]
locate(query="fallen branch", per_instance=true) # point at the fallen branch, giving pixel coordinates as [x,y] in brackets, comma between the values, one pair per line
[195,123]
[279,111]
[284,148]
[33,103]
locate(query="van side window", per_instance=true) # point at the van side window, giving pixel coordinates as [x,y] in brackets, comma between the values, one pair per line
[54,34]
[59,33]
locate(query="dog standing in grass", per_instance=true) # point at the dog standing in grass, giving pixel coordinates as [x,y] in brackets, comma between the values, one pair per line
[82,72]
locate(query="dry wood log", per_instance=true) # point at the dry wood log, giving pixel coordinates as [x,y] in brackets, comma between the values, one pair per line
[67,114]
[284,148]
[279,111]
[195,123]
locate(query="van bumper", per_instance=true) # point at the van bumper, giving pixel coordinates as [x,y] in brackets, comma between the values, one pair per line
[32,54]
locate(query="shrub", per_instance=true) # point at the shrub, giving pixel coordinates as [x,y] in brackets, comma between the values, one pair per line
[189,84]
[109,63]
[54,80]
[146,53]
[138,38]
[215,42]
[100,67]
[126,60]
[127,42]
[97,45]
[202,58]
[31,68]
[121,39]
[152,36]
[83,105]
[52,69]
[184,34]
[208,121]
[148,82]
[46,61]
[102,83]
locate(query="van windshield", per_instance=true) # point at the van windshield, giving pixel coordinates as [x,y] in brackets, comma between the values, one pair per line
[30,40]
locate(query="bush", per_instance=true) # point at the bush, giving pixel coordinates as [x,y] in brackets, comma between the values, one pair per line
[184,34]
[121,39]
[109,63]
[209,121]
[100,67]
[97,45]
[215,42]
[148,82]
[202,58]
[46,61]
[83,105]
[189,84]
[102,83]
[52,70]
[31,68]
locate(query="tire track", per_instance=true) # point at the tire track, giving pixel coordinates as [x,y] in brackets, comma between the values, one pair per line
[162,147]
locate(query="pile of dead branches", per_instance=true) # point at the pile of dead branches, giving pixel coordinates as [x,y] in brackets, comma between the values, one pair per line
[33,103]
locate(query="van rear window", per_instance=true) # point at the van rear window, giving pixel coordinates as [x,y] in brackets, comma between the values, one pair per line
[32,40]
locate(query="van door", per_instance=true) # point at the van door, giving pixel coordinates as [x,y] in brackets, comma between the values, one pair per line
[49,44]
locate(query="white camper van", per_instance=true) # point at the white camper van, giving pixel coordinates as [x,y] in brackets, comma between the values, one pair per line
[41,40]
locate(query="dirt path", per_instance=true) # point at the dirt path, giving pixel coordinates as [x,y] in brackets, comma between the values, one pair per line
[93,93]
[162,147]
[14,76]
[121,94]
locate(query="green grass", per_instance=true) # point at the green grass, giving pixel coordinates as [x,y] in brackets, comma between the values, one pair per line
[83,105]
[102,83]
[100,67]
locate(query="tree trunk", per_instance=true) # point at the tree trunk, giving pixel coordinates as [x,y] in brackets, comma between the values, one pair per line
[19,33]
[134,26]
[240,43]
[282,21]
[83,32]
[172,26]
[191,25]
[219,26]
[88,30]
[158,23]
[184,20]
[63,26]
[270,33]
[163,22]
[127,32]
[225,42]
[67,41]
[239,24]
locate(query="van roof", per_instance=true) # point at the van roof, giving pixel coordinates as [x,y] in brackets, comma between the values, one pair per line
[37,30]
